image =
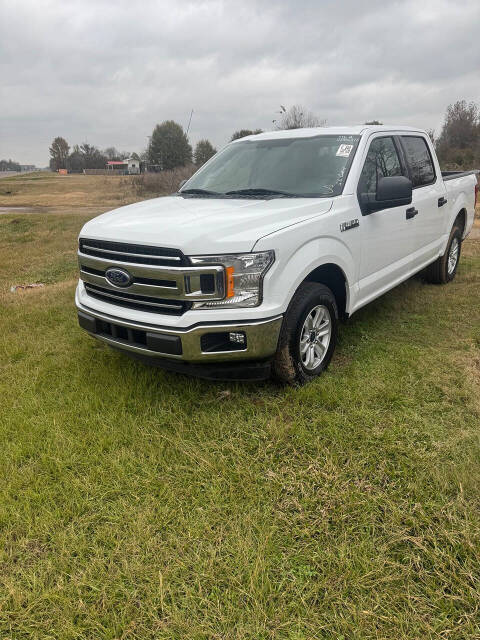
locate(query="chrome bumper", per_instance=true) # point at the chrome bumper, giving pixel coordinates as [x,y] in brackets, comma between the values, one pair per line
[261,338]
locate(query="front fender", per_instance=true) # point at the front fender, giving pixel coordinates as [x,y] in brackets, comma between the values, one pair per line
[293,267]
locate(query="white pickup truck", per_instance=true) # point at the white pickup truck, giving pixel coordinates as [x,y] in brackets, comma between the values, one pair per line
[246,271]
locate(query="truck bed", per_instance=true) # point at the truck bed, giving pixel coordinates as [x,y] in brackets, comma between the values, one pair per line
[451,175]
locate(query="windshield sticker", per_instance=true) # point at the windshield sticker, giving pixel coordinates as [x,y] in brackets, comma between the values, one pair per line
[344,150]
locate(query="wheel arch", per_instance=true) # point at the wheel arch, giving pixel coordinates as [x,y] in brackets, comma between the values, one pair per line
[333,277]
[462,220]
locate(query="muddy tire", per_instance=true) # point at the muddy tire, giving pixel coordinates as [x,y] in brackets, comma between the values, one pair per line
[308,336]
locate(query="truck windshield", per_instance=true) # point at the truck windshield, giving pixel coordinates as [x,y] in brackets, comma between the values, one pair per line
[305,167]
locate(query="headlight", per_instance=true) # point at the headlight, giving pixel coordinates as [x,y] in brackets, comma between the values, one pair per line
[244,278]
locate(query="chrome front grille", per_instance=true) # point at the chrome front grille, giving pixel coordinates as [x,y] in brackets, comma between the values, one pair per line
[139,254]
[162,280]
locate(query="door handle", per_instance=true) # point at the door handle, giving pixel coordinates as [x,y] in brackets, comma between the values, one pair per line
[411,212]
[442,201]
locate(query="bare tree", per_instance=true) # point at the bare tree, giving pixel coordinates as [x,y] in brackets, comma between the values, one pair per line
[93,158]
[59,153]
[459,142]
[76,160]
[111,153]
[431,135]
[244,132]
[297,117]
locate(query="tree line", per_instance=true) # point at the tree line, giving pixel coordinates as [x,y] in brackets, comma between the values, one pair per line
[458,144]
[9,165]
[168,146]
[84,156]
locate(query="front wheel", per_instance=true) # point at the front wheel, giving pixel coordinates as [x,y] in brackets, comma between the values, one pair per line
[308,336]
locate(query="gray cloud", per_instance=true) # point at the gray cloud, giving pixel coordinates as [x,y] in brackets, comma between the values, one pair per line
[108,72]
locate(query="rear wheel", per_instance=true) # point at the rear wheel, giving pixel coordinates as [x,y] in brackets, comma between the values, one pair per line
[443,270]
[308,336]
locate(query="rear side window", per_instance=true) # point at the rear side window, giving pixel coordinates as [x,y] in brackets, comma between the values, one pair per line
[419,160]
[382,161]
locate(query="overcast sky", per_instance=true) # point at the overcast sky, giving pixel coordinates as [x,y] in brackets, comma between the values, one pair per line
[107,71]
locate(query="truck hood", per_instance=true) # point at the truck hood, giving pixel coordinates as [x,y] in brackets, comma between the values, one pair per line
[202,225]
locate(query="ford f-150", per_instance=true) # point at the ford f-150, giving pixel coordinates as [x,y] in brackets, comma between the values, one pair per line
[247,269]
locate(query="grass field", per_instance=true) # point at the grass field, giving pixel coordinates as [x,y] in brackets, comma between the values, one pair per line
[136,504]
[50,192]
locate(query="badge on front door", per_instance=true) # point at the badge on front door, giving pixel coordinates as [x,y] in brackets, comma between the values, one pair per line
[351,224]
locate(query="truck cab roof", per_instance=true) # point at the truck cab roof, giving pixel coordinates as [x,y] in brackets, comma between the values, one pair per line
[353,130]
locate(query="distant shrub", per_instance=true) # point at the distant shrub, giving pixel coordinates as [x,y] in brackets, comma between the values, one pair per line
[162,183]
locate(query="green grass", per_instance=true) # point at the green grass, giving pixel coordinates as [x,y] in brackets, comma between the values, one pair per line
[137,504]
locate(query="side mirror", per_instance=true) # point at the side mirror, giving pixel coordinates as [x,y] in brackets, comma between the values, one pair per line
[392,191]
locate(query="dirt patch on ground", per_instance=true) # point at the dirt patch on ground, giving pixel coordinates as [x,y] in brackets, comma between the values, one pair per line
[8,210]
[475,233]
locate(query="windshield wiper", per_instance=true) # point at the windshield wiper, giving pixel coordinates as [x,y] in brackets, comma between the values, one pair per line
[258,191]
[199,192]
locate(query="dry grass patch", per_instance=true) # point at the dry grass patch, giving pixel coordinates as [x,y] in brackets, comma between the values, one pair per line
[39,248]
[77,192]
[57,193]
[166,182]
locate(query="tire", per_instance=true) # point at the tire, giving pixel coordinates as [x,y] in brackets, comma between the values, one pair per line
[308,336]
[444,268]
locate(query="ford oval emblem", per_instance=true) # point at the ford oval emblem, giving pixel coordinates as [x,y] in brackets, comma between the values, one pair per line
[118,277]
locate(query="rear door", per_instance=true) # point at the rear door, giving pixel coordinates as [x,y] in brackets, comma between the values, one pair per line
[387,235]
[428,198]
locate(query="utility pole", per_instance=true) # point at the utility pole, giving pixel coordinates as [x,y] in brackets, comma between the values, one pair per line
[189,122]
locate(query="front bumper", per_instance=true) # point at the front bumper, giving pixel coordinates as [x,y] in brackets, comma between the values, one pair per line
[204,343]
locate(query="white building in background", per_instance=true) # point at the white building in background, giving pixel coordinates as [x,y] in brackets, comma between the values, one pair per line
[133,166]
[130,166]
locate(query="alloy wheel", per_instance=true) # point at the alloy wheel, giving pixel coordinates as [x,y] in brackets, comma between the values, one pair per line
[315,337]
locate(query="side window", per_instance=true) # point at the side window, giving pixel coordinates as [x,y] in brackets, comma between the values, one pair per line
[419,160]
[382,161]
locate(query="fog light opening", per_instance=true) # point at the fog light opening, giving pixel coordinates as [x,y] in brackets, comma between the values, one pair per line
[223,341]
